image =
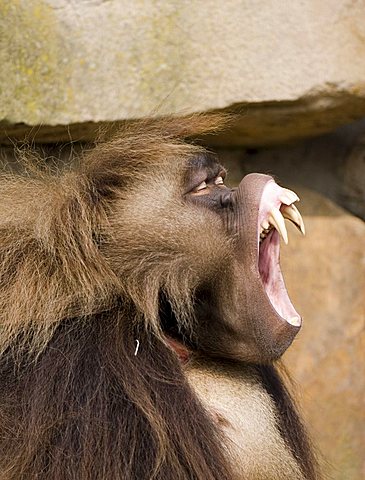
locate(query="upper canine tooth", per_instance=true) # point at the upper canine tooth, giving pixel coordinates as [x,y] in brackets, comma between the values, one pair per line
[292,213]
[288,197]
[277,220]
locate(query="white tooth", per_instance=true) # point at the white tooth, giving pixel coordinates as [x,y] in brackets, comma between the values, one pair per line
[277,220]
[294,321]
[288,197]
[265,224]
[292,213]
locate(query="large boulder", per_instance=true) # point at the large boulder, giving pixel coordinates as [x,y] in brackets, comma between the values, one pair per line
[290,68]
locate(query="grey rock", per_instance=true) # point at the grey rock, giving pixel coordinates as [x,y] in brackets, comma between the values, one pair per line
[291,69]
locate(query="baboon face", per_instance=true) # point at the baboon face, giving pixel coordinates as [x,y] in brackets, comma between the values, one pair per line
[211,250]
[259,316]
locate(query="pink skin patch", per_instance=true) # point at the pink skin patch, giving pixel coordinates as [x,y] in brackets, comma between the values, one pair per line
[179,348]
[269,257]
[270,199]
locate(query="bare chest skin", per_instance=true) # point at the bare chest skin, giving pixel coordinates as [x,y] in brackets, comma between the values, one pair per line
[246,415]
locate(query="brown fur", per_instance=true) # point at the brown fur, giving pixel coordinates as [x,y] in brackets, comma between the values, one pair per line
[78,288]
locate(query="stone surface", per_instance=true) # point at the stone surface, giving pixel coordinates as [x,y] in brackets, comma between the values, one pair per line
[291,69]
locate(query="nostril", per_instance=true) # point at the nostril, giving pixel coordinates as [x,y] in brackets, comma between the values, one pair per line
[226,199]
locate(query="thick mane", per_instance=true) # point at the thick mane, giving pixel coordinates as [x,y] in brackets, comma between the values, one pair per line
[75,400]
[57,244]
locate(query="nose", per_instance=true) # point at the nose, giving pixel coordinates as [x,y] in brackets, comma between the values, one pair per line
[226,198]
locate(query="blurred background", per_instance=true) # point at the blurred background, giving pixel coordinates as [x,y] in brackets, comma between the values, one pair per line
[294,73]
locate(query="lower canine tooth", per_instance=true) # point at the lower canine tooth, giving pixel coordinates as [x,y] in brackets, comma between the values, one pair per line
[277,220]
[292,213]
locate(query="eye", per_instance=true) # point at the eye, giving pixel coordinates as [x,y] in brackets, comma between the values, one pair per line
[219,181]
[202,186]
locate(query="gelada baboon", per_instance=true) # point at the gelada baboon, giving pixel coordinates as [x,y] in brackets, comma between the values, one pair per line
[142,308]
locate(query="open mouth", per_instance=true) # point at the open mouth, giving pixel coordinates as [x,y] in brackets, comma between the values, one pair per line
[276,204]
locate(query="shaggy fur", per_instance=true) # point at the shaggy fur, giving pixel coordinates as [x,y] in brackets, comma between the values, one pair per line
[85,254]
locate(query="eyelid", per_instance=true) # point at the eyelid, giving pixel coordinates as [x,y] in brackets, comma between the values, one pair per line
[201,186]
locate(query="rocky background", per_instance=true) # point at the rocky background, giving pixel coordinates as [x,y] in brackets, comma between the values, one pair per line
[294,73]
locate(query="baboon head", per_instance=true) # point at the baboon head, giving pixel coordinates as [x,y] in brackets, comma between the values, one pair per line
[199,259]
[146,222]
